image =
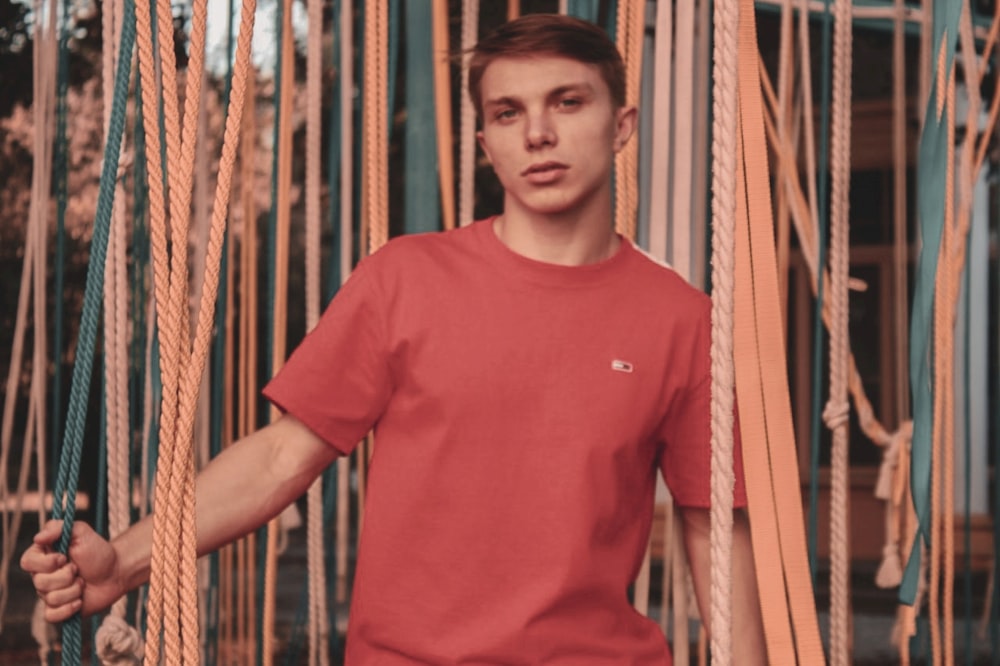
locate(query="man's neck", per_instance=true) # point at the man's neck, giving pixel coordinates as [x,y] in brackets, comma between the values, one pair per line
[557,239]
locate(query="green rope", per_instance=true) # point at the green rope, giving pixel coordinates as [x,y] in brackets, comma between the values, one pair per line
[818,330]
[67,479]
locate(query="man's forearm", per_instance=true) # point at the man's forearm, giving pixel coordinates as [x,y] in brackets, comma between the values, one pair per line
[747,625]
[238,491]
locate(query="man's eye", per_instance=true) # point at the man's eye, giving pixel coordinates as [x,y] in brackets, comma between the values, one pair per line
[569,102]
[505,114]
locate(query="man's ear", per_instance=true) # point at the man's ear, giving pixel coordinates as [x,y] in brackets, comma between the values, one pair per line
[626,119]
[482,144]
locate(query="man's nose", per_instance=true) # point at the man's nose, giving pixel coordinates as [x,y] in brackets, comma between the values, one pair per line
[539,131]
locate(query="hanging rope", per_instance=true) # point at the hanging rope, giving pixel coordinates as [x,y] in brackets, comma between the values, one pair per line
[442,112]
[31,291]
[631,25]
[318,636]
[837,409]
[64,505]
[726,18]
[376,149]
[346,263]
[467,121]
[660,158]
[683,145]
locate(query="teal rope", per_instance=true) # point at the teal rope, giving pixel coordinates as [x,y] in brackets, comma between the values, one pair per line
[818,329]
[67,478]
[61,175]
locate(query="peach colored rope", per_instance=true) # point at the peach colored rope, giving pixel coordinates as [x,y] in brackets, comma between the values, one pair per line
[901,244]
[172,610]
[683,145]
[115,325]
[630,24]
[376,173]
[659,220]
[282,206]
[246,421]
[32,286]
[346,262]
[837,411]
[318,616]
[726,17]
[168,331]
[442,111]
[467,147]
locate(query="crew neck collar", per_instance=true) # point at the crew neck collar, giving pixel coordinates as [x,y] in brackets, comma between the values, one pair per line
[519,266]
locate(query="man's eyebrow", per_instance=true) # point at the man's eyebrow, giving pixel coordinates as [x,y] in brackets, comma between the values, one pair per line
[581,87]
[512,100]
[506,100]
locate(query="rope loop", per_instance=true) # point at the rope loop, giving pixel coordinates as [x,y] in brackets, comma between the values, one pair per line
[836,413]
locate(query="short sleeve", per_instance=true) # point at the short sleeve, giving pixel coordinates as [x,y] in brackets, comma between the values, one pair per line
[686,453]
[337,380]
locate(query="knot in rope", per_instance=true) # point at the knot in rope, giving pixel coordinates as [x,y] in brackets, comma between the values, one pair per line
[836,413]
[118,644]
[887,470]
[890,570]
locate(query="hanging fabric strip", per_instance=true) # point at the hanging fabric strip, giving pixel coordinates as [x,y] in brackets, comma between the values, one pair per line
[931,163]
[766,432]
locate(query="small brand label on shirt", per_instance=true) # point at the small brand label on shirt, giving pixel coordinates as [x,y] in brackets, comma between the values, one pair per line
[621,366]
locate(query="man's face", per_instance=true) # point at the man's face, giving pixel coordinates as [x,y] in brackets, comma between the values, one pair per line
[550,130]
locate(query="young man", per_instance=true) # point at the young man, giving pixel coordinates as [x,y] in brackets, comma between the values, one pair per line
[525,376]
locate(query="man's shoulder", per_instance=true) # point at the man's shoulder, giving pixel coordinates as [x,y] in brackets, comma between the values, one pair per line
[660,280]
[425,245]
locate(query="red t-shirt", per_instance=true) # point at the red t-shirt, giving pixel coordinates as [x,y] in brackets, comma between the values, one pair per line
[521,411]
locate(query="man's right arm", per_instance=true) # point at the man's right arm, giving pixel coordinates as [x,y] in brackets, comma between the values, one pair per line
[246,485]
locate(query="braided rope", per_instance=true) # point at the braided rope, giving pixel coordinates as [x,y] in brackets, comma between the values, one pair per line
[629,39]
[376,137]
[467,146]
[318,639]
[837,410]
[724,133]
[166,325]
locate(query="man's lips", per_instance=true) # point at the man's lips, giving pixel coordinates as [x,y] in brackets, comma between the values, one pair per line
[543,167]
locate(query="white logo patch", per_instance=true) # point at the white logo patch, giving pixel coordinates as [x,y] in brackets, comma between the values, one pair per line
[621,366]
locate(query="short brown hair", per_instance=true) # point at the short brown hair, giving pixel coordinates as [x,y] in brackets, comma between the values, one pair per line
[549,34]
